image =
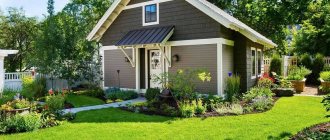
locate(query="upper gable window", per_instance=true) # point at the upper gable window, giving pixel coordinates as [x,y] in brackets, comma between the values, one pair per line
[151,14]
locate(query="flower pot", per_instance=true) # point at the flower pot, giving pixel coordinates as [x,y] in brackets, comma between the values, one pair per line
[325,87]
[299,85]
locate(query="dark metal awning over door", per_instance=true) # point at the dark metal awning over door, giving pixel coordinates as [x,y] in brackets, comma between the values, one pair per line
[154,35]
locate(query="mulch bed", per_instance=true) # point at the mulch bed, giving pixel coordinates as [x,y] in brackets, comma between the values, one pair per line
[316,130]
[68,105]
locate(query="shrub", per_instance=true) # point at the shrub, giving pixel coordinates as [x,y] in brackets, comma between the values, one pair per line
[200,108]
[325,75]
[48,119]
[7,95]
[326,102]
[261,103]
[16,104]
[96,92]
[298,73]
[187,110]
[210,101]
[183,82]
[55,103]
[20,123]
[27,87]
[276,65]
[122,95]
[257,92]
[265,82]
[152,93]
[306,61]
[34,87]
[232,87]
[231,109]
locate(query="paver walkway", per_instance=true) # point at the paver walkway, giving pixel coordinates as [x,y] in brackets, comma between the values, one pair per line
[117,104]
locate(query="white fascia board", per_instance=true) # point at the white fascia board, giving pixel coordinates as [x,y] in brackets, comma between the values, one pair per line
[103,19]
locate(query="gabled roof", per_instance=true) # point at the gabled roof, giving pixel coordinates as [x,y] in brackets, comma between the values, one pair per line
[208,8]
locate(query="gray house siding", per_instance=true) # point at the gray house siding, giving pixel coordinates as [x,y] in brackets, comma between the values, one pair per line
[242,60]
[115,60]
[199,56]
[190,23]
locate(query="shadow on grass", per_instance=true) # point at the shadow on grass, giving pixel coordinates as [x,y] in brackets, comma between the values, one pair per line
[280,137]
[116,115]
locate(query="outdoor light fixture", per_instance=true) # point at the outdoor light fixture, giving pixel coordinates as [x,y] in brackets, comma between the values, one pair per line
[175,58]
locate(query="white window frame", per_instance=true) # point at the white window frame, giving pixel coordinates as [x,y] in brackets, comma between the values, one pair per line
[256,67]
[143,15]
[261,62]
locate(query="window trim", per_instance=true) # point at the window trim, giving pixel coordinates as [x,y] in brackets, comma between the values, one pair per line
[143,15]
[255,58]
[261,62]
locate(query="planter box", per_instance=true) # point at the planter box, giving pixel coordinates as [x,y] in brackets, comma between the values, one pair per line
[299,86]
[284,92]
[324,84]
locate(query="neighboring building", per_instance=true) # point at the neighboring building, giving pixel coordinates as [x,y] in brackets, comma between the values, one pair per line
[141,38]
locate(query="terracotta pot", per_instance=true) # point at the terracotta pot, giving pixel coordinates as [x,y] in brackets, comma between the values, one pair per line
[299,86]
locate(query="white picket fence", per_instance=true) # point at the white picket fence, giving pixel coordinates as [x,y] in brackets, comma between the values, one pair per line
[13,81]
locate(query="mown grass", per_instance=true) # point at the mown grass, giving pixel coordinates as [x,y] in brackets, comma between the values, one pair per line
[82,100]
[286,118]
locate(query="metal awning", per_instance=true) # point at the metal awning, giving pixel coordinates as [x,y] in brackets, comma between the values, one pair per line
[154,35]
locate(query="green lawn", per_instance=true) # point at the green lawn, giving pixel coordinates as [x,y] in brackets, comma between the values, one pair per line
[82,100]
[289,115]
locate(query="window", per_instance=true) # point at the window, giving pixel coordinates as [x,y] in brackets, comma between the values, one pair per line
[256,62]
[253,61]
[259,55]
[151,14]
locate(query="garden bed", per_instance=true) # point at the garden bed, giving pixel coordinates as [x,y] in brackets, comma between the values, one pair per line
[144,110]
[320,131]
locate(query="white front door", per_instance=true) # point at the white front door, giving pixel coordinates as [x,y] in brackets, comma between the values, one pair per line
[155,67]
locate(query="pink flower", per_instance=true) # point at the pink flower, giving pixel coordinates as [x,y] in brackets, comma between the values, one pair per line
[50,92]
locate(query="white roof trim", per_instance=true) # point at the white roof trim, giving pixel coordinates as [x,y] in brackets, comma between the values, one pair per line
[208,8]
[4,53]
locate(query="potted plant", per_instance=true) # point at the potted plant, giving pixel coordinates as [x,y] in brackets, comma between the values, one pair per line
[325,82]
[296,76]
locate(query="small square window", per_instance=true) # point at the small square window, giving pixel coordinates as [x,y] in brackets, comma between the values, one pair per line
[150,14]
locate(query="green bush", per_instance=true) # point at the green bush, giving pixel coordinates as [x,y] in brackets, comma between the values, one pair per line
[231,109]
[33,87]
[276,65]
[7,95]
[211,101]
[325,75]
[232,88]
[55,103]
[20,123]
[261,103]
[306,61]
[152,93]
[96,92]
[122,95]
[187,110]
[200,108]
[257,92]
[298,73]
[326,102]
[265,83]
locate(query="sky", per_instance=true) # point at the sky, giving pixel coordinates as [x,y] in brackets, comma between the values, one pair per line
[32,8]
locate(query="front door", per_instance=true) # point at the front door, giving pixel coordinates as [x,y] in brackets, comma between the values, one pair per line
[155,67]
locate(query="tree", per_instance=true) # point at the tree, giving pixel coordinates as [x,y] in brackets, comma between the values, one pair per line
[18,32]
[314,35]
[269,17]
[62,47]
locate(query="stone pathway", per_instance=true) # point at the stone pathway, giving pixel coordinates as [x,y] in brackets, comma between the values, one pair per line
[310,91]
[117,104]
